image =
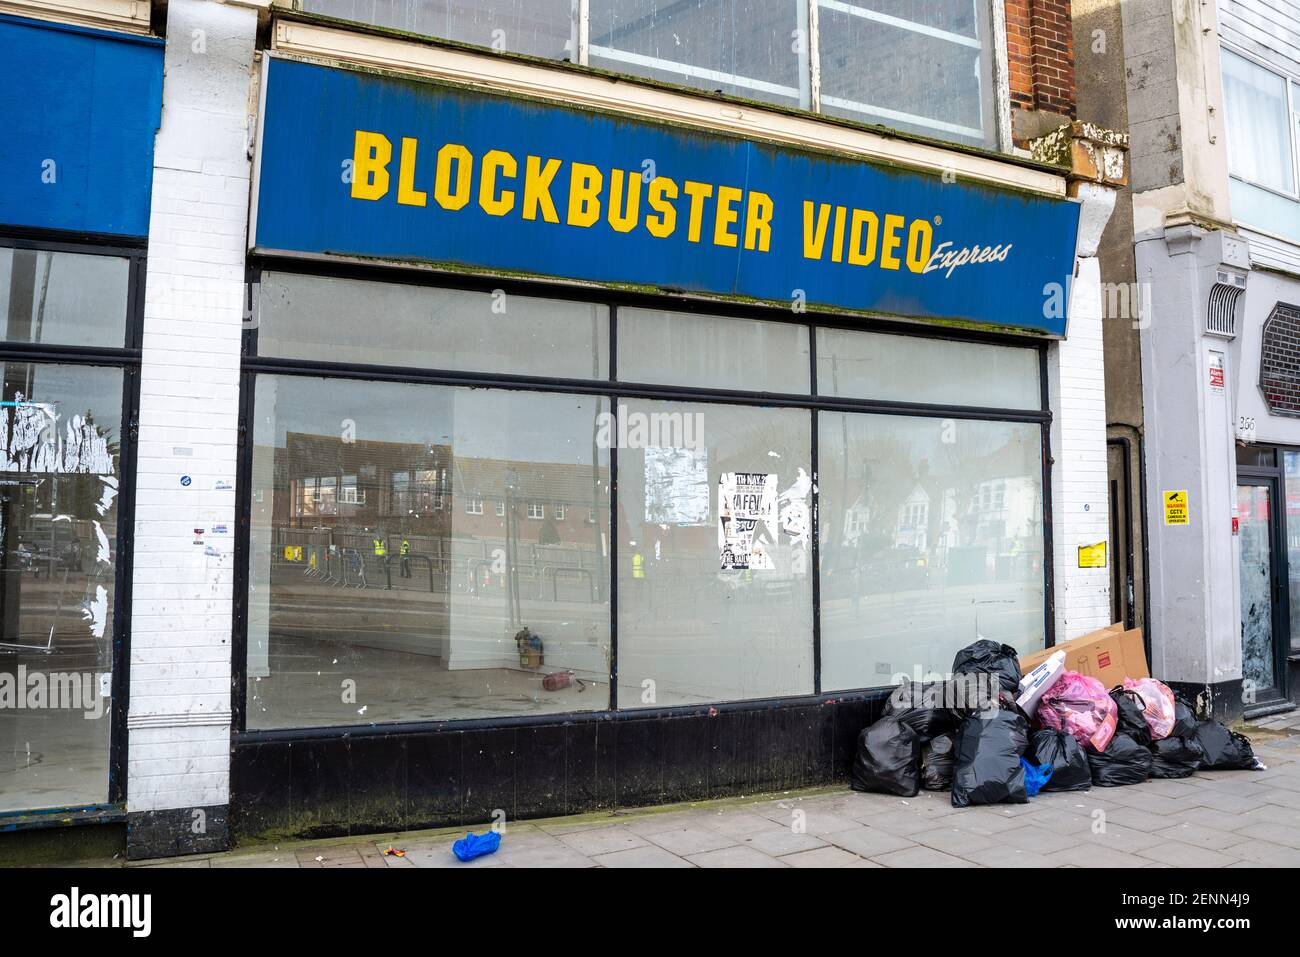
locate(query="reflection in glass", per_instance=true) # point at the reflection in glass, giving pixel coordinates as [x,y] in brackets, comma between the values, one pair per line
[691,630]
[1254,513]
[425,552]
[1291,472]
[931,536]
[60,434]
[63,298]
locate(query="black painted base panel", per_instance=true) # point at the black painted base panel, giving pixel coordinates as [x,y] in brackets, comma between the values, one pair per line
[178,831]
[323,786]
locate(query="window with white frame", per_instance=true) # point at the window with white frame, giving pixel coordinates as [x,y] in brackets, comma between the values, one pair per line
[559,512]
[925,66]
[501,508]
[1261,113]
[474,505]
[536,510]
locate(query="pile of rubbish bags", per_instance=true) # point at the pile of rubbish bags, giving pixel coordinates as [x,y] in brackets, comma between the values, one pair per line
[989,750]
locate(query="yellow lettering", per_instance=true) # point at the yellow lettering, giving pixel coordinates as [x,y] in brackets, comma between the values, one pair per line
[814,238]
[893,222]
[698,192]
[537,188]
[371,154]
[837,247]
[726,215]
[584,194]
[858,256]
[494,162]
[661,190]
[443,192]
[919,238]
[624,221]
[407,194]
[758,222]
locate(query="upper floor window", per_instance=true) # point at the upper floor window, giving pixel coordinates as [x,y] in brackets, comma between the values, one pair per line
[925,67]
[1261,114]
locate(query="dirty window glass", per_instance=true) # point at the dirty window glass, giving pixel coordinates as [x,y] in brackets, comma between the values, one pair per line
[535,27]
[749,48]
[925,66]
[714,573]
[869,365]
[713,352]
[425,552]
[382,323]
[931,537]
[63,298]
[60,443]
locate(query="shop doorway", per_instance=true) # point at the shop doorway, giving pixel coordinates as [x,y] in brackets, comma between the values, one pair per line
[1262,567]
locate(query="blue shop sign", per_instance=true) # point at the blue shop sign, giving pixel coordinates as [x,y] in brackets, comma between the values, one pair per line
[377,167]
[79,109]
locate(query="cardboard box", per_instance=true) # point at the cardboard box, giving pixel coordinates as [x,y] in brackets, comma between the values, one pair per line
[1109,654]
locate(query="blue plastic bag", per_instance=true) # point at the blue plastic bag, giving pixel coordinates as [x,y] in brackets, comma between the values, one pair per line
[1035,776]
[476,845]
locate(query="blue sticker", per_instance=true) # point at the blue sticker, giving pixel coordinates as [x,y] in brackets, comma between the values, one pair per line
[185,480]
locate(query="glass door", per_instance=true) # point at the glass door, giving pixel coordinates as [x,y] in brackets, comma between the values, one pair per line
[1260,590]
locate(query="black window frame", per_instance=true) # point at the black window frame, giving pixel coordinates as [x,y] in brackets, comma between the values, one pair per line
[612,390]
[128,359]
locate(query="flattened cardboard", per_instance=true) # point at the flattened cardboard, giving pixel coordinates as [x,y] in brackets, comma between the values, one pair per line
[1109,654]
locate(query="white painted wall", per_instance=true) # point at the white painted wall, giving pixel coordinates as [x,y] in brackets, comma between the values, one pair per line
[181,612]
[1076,385]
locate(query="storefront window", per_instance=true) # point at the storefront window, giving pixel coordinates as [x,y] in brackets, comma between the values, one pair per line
[63,298]
[1291,471]
[861,365]
[715,595]
[931,536]
[536,27]
[335,320]
[405,599]
[60,453]
[677,348]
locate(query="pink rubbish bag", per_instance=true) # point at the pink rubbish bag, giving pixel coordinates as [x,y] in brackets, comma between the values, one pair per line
[1079,705]
[1158,705]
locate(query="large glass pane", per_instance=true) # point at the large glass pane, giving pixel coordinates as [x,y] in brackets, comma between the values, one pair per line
[931,537]
[715,592]
[1255,517]
[1291,469]
[425,552]
[536,27]
[380,323]
[64,298]
[677,348]
[869,365]
[918,66]
[60,435]
[1258,124]
[749,48]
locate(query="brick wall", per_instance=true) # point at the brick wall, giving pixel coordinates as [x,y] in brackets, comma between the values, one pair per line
[179,715]
[1040,55]
[1279,370]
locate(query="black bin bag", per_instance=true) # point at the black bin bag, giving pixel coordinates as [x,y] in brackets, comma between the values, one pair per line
[936,763]
[1175,757]
[1224,750]
[989,657]
[921,707]
[986,761]
[1062,753]
[1123,762]
[1129,719]
[1184,718]
[888,759]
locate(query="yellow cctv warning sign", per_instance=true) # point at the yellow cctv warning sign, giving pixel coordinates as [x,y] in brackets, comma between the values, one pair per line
[1176,507]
